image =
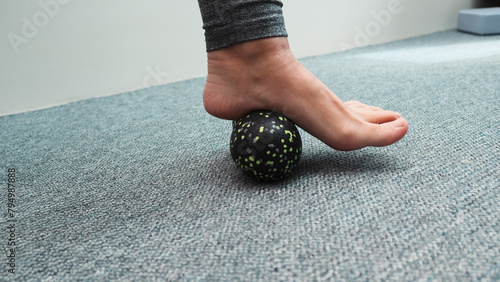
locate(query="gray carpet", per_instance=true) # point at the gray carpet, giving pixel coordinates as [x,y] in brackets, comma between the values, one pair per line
[141,185]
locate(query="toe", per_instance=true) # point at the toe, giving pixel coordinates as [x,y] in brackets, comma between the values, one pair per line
[376,115]
[359,134]
[355,104]
[384,134]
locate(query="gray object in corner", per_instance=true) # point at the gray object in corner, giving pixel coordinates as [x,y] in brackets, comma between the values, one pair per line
[483,21]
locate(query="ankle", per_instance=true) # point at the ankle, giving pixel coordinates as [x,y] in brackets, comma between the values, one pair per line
[253,51]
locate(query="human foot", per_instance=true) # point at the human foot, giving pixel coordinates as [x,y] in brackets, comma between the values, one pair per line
[264,74]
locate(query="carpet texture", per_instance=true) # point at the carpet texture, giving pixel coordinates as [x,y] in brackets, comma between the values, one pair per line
[141,185]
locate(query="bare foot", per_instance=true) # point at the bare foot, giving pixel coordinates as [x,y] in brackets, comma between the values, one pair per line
[264,75]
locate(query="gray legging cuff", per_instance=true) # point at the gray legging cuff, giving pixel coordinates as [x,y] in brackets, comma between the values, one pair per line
[229,22]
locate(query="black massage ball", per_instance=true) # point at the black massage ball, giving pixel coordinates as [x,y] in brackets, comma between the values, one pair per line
[265,145]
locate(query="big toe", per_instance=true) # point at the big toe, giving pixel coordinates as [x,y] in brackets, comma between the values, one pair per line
[379,135]
[363,134]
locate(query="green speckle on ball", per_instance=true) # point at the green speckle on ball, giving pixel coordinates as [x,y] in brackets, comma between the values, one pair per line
[270,141]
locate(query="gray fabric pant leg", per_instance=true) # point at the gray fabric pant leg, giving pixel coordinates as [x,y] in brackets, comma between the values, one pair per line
[229,22]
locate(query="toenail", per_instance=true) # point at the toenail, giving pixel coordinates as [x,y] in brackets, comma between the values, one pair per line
[399,123]
[398,115]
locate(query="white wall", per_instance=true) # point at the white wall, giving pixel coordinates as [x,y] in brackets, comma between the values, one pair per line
[56,51]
